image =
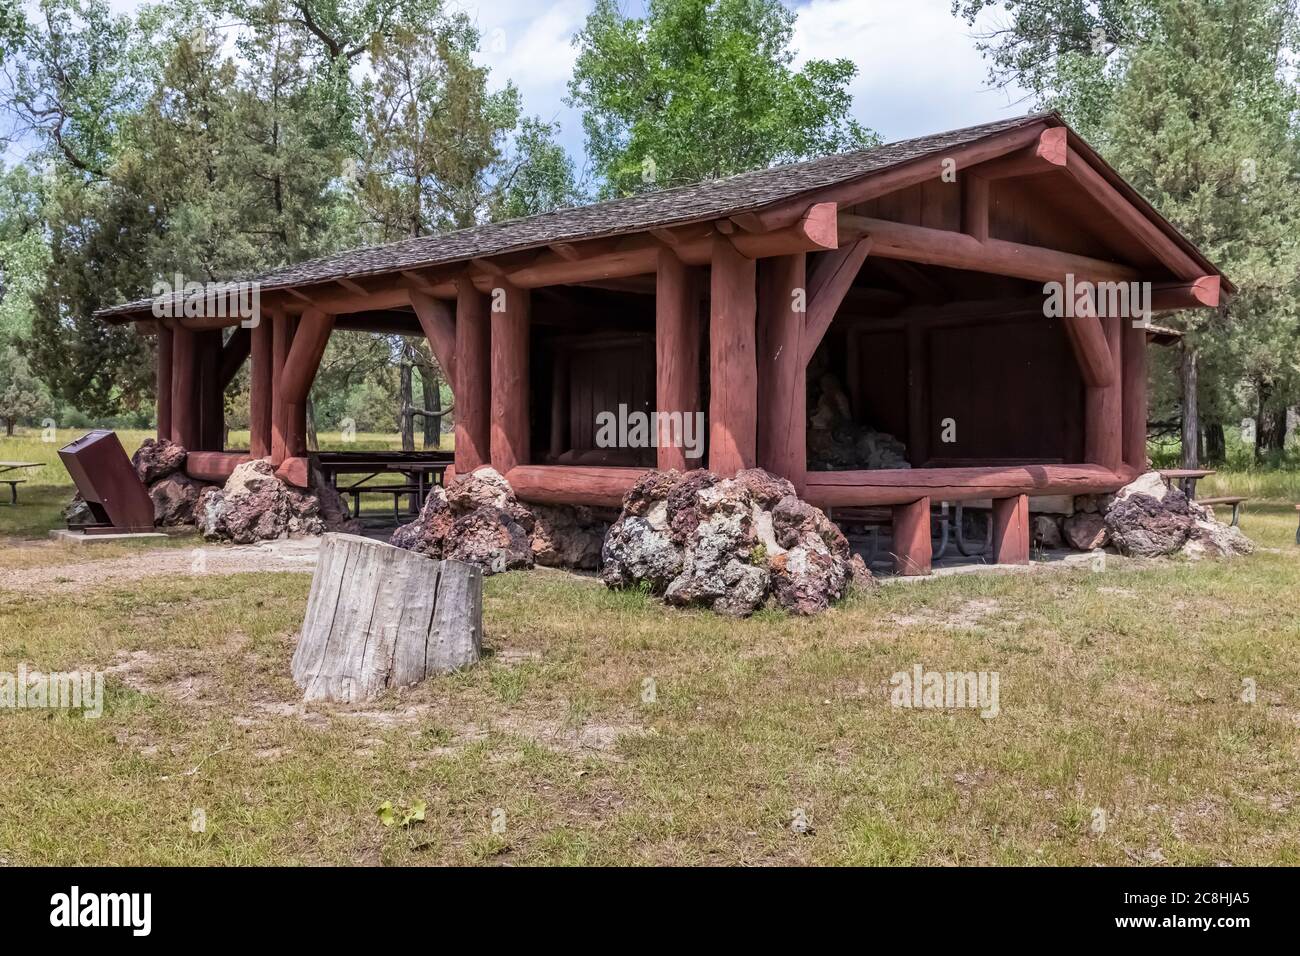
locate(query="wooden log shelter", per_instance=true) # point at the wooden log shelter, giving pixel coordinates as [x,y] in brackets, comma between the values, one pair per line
[917,274]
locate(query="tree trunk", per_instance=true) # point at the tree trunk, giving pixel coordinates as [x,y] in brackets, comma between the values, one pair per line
[1191,424]
[433,403]
[9,428]
[312,443]
[406,421]
[379,617]
[1270,422]
[1216,445]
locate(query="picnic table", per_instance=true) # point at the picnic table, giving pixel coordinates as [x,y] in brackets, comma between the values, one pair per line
[1186,477]
[422,471]
[13,483]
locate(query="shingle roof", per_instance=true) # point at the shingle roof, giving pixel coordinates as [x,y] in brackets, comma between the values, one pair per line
[711,199]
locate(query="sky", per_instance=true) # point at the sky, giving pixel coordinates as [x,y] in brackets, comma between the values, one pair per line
[918,69]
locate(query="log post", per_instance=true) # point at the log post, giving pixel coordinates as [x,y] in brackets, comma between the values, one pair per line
[379,618]
[733,389]
[1135,397]
[677,353]
[473,387]
[281,340]
[212,406]
[163,400]
[560,403]
[1103,407]
[782,371]
[912,549]
[300,366]
[1011,530]
[260,387]
[509,442]
[185,388]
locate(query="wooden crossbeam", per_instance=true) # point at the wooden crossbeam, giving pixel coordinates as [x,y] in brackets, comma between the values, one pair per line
[827,285]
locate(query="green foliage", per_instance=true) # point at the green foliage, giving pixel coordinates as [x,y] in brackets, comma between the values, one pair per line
[22,395]
[699,89]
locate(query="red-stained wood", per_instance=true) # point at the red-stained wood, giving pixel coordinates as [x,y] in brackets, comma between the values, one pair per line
[185,388]
[1048,154]
[309,340]
[573,484]
[782,397]
[912,549]
[509,441]
[677,351]
[956,250]
[234,353]
[845,489]
[439,324]
[975,206]
[1103,408]
[1088,339]
[259,387]
[281,341]
[473,384]
[1134,392]
[829,281]
[1011,530]
[212,408]
[163,356]
[1132,219]
[214,465]
[733,394]
[295,470]
[1199,293]
[560,403]
[918,394]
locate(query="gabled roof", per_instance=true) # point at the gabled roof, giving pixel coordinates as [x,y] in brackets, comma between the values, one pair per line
[712,199]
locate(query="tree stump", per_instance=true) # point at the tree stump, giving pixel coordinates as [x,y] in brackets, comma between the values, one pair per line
[380,617]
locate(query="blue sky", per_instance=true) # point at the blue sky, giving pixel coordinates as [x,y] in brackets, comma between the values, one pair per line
[918,70]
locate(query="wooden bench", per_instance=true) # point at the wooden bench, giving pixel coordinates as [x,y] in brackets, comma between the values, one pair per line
[13,484]
[1235,501]
[862,527]
[397,491]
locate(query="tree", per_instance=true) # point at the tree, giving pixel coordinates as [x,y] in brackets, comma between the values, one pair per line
[699,89]
[21,393]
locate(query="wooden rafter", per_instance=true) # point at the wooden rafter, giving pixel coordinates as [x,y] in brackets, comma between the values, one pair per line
[828,283]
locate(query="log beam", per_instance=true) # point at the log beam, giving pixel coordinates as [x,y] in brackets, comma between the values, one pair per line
[782,370]
[234,353]
[866,488]
[956,250]
[1091,350]
[573,484]
[913,552]
[677,352]
[1048,154]
[1011,530]
[830,280]
[733,391]
[439,325]
[309,341]
[473,384]
[509,442]
[1199,293]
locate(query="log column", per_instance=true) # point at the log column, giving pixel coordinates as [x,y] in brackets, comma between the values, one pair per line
[912,549]
[281,341]
[260,387]
[733,373]
[1103,406]
[677,355]
[473,385]
[212,407]
[509,436]
[782,396]
[1011,530]
[185,389]
[309,341]
[163,352]
[1135,397]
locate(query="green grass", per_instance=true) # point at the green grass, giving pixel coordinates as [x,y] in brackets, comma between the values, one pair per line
[1119,690]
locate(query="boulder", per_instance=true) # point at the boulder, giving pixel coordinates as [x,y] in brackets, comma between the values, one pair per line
[157,458]
[490,538]
[728,544]
[255,505]
[1085,531]
[78,514]
[1148,519]
[567,537]
[1210,539]
[174,498]
[1047,532]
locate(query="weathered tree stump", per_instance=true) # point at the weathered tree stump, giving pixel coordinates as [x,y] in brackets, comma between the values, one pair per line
[380,617]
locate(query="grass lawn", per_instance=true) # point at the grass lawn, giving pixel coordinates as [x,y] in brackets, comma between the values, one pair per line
[602,728]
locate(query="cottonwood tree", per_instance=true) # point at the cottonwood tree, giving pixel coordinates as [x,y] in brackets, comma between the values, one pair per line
[698,89]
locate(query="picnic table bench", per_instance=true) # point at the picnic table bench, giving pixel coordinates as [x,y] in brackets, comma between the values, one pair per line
[13,483]
[1235,500]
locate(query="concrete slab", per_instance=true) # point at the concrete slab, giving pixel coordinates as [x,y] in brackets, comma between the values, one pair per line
[80,537]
